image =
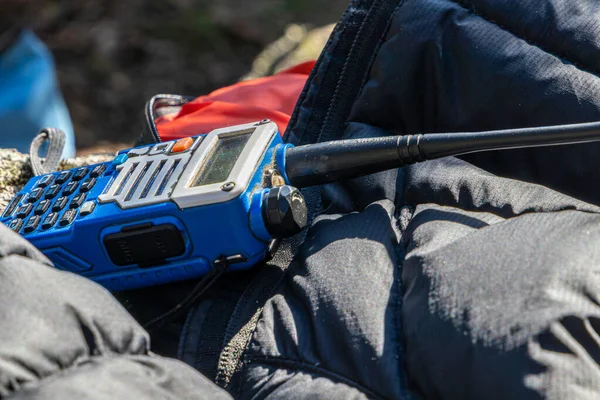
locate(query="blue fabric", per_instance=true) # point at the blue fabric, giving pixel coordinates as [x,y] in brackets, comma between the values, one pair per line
[29,95]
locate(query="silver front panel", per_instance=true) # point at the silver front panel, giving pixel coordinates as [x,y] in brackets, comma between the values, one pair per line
[145,180]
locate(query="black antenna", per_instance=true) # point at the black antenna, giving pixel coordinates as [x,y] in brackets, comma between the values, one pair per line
[331,161]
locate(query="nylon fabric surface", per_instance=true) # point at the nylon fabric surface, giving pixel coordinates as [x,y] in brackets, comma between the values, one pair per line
[499,305]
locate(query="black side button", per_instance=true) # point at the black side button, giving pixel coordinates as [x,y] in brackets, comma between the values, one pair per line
[146,246]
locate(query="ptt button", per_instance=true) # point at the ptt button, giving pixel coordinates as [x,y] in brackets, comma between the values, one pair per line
[13,205]
[80,173]
[32,224]
[60,203]
[68,217]
[182,145]
[45,181]
[87,185]
[87,208]
[42,207]
[138,152]
[70,188]
[77,201]
[98,170]
[63,176]
[50,220]
[35,195]
[16,224]
[161,148]
[24,210]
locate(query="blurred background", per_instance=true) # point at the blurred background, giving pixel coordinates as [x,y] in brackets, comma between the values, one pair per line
[111,56]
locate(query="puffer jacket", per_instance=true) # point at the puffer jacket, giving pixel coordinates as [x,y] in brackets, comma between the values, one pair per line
[461,278]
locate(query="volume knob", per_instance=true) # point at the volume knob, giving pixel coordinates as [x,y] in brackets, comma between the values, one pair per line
[284,211]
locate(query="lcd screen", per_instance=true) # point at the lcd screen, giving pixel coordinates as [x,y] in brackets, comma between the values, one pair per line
[222,159]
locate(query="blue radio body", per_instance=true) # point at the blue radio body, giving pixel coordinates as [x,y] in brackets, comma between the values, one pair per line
[156,213]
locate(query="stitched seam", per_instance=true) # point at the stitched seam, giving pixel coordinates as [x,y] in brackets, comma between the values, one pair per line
[528,41]
[294,365]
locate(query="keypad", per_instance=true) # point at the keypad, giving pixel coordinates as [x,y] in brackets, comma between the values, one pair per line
[13,205]
[60,203]
[77,201]
[98,170]
[80,173]
[52,191]
[63,177]
[45,181]
[32,224]
[70,188]
[16,224]
[42,207]
[24,210]
[50,204]
[50,220]
[35,195]
[68,217]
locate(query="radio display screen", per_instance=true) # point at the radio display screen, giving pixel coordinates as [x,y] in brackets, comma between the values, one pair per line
[222,159]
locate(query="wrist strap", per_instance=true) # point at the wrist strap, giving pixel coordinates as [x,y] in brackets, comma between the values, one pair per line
[56,144]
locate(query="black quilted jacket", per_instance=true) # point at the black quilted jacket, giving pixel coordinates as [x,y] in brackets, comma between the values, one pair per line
[464,278]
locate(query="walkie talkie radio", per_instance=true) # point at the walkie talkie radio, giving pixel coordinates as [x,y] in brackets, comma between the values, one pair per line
[173,210]
[158,213]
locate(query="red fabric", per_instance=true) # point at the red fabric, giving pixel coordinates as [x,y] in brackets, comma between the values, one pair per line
[273,97]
